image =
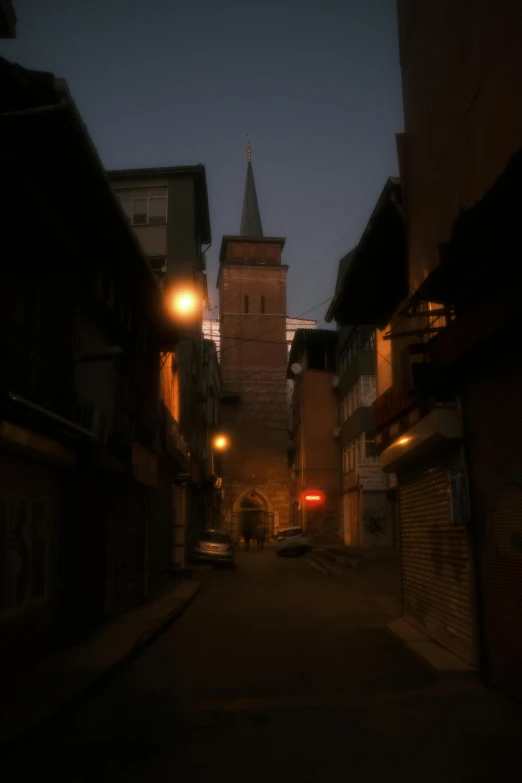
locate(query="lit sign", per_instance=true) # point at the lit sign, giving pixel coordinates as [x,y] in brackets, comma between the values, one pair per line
[313,496]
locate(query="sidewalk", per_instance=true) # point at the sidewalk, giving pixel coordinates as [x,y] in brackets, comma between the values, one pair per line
[67,677]
[376,573]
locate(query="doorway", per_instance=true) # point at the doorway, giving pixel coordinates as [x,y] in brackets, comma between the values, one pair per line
[252,512]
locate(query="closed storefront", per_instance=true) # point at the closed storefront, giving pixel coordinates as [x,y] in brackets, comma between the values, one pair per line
[493,419]
[160,526]
[377,520]
[130,538]
[352,512]
[89,512]
[29,505]
[435,557]
[179,524]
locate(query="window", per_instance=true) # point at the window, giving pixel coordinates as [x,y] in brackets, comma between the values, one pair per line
[369,345]
[354,453]
[350,351]
[262,304]
[246,303]
[368,390]
[370,450]
[362,394]
[215,537]
[144,206]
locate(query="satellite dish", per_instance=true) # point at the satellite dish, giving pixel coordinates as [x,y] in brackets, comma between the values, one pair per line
[296,368]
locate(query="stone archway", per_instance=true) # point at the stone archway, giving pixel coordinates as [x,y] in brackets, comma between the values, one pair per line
[252,508]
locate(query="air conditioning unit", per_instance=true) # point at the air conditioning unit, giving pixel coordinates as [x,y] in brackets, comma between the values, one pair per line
[335,382]
[219,483]
[159,264]
[337,432]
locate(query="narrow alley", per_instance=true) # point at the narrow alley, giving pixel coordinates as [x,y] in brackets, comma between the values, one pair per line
[278,672]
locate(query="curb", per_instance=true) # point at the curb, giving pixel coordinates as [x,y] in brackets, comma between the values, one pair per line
[23,736]
[441,661]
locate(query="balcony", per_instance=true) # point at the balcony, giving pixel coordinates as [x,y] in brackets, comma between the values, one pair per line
[393,404]
[399,410]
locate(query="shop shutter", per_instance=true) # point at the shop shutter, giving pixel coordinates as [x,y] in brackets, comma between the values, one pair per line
[435,561]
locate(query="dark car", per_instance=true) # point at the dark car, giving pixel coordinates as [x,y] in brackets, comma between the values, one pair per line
[215,546]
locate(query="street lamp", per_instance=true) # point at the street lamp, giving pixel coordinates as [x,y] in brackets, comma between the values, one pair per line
[220,442]
[185,302]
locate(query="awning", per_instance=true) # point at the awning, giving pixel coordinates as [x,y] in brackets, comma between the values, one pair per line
[485,240]
[376,279]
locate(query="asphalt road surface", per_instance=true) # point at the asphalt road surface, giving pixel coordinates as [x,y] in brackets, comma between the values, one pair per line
[279,673]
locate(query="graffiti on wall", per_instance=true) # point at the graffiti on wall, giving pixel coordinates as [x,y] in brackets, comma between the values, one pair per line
[24,553]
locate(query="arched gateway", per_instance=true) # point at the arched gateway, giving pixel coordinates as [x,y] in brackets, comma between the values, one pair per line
[250,508]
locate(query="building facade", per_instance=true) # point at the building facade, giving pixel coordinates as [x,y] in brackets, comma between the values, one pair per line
[446,311]
[82,327]
[168,211]
[369,517]
[460,164]
[252,312]
[314,448]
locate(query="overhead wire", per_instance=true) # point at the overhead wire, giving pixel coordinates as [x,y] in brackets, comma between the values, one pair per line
[272,342]
[309,268]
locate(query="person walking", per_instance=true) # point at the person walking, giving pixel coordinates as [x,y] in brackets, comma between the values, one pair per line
[260,533]
[247,534]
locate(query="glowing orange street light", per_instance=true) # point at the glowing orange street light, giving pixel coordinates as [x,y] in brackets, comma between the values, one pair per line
[185,303]
[220,442]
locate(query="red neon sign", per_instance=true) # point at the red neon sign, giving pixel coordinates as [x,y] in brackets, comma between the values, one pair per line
[313,497]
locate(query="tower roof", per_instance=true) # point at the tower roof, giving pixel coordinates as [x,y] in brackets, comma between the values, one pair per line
[250,217]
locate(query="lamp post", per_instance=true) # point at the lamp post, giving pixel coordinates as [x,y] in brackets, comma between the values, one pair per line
[219,442]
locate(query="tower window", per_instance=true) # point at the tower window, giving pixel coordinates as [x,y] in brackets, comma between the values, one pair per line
[262,304]
[246,303]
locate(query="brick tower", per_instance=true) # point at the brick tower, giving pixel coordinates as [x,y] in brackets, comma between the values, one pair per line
[252,307]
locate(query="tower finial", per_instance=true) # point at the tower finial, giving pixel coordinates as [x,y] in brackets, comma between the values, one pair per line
[250,217]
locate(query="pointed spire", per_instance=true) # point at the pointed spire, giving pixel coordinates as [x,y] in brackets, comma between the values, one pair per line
[250,217]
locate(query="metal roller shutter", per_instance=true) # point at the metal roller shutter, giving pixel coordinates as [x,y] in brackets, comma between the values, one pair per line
[435,562]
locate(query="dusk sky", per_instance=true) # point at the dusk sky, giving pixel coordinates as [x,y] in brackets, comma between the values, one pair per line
[316,85]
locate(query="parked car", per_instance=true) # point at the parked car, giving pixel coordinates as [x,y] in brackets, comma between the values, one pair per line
[291,541]
[215,546]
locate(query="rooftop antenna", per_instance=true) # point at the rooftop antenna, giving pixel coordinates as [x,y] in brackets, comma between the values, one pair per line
[249,148]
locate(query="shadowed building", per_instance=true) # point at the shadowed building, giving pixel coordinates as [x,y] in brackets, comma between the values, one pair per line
[252,308]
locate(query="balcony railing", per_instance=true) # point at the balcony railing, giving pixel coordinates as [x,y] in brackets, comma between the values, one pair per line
[392,405]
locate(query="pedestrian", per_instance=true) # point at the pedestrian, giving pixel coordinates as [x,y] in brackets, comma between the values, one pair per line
[247,534]
[260,532]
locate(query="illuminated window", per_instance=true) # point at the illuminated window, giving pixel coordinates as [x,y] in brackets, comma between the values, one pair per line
[144,206]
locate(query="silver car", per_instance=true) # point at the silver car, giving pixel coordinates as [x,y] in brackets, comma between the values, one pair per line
[292,541]
[215,546]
